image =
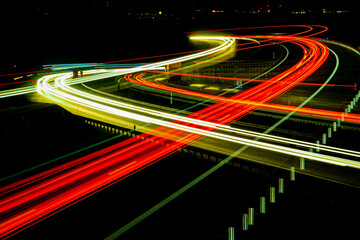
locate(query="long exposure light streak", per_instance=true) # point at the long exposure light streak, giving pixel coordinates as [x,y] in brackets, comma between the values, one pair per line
[267,146]
[348,117]
[25,218]
[39,196]
[244,79]
[226,128]
[227,42]
[97,106]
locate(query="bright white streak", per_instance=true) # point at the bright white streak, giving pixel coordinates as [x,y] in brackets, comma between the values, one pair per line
[226,128]
[43,85]
[227,43]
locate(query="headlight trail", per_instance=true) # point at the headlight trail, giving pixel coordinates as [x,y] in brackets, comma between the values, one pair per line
[31,89]
[116,166]
[196,122]
[202,123]
[243,79]
[348,117]
[45,193]
[227,42]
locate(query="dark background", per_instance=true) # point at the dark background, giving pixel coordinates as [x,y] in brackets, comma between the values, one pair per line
[67,31]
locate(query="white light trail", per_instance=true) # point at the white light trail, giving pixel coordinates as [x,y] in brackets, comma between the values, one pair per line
[226,128]
[227,42]
[45,87]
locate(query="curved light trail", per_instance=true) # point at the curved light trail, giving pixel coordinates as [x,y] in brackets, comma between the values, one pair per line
[19,211]
[156,115]
[43,194]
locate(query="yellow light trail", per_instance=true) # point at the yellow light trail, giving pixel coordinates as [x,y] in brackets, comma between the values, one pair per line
[226,128]
[45,88]
[87,100]
[55,193]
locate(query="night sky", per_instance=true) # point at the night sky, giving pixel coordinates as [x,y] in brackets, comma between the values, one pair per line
[68,5]
[31,28]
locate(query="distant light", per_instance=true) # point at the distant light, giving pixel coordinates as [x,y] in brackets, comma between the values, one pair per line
[160,12]
[212,88]
[197,85]
[17,78]
[342,11]
[230,90]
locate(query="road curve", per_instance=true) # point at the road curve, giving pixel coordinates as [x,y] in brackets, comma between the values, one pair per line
[44,194]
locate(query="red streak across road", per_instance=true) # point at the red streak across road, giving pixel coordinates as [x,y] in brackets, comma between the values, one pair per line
[35,198]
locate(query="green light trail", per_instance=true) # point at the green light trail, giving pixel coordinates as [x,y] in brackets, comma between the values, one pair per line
[167,200]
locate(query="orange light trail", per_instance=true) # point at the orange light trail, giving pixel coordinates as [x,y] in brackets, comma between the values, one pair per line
[39,196]
[348,117]
[244,79]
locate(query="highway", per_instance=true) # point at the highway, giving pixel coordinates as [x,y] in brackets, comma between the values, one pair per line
[37,197]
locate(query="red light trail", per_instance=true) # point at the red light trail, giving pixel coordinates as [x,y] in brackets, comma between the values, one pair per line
[348,117]
[245,79]
[32,199]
